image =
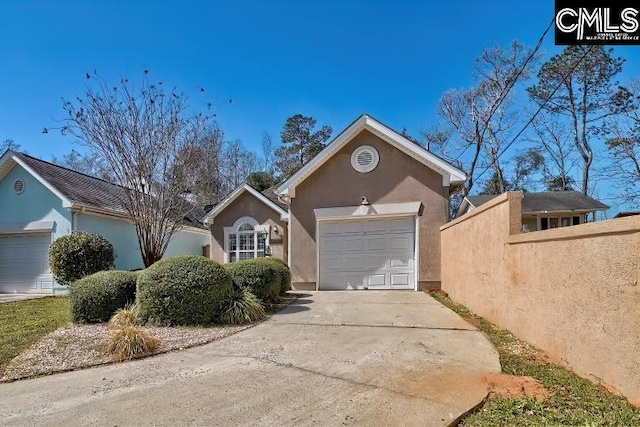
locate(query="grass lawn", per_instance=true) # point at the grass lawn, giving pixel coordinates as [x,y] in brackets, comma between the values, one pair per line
[573,401]
[24,323]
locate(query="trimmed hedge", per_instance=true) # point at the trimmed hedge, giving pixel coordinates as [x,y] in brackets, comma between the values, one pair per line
[79,254]
[97,297]
[267,278]
[285,274]
[182,290]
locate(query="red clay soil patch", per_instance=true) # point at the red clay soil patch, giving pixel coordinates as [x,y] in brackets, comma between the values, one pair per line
[474,322]
[504,385]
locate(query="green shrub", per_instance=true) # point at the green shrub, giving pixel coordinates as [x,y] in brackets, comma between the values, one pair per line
[259,275]
[241,307]
[96,297]
[79,254]
[285,274]
[127,342]
[182,290]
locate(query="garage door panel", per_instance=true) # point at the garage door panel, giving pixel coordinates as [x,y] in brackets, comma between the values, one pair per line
[331,245]
[377,280]
[24,265]
[353,244]
[400,242]
[377,262]
[330,264]
[399,224]
[371,253]
[377,243]
[400,262]
[352,227]
[400,280]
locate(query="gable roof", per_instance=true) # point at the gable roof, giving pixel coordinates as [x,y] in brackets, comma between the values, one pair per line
[71,186]
[277,207]
[543,202]
[75,188]
[450,174]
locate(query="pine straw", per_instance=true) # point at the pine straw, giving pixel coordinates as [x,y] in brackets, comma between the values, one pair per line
[75,347]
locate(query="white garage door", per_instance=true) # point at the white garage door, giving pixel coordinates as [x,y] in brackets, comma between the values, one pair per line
[367,254]
[24,265]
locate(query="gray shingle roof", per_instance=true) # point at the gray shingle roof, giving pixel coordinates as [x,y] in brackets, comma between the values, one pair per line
[270,193]
[550,201]
[76,186]
[89,190]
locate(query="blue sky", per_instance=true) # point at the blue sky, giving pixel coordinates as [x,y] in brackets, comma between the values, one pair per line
[332,60]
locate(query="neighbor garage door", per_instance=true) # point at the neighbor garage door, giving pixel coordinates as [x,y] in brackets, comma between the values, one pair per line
[367,253]
[24,266]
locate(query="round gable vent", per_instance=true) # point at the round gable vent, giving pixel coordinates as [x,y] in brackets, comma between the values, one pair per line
[18,186]
[364,159]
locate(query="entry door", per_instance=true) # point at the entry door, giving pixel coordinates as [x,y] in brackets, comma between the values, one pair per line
[367,253]
[24,264]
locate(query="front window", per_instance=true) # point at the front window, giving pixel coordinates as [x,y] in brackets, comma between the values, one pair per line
[246,240]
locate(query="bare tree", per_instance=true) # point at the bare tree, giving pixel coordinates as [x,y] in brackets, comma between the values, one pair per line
[141,132]
[90,163]
[482,116]
[238,164]
[206,180]
[8,144]
[267,153]
[624,148]
[554,140]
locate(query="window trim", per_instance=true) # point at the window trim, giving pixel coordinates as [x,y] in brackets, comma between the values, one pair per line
[234,229]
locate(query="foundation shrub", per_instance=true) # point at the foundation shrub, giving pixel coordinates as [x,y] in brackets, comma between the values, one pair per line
[182,290]
[97,297]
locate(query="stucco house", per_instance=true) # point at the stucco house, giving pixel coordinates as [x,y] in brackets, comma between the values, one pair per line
[546,209]
[365,213]
[42,201]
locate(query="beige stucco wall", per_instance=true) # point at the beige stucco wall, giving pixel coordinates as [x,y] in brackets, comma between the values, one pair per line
[572,291]
[247,205]
[397,178]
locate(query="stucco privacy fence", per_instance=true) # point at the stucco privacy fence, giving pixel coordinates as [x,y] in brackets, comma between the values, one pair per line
[572,292]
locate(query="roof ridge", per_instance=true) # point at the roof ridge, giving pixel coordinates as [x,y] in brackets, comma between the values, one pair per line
[20,153]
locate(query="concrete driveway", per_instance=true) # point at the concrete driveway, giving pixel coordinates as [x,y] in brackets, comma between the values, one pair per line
[333,358]
[20,297]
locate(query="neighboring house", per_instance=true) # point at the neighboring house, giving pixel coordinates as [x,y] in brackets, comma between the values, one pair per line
[248,224]
[42,201]
[544,210]
[365,213]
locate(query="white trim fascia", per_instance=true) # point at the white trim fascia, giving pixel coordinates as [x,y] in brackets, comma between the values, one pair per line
[376,210]
[66,203]
[454,175]
[209,218]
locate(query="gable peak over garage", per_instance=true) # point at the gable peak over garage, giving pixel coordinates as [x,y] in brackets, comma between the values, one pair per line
[450,174]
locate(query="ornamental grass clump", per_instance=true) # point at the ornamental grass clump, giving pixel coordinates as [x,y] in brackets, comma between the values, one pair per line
[126,339]
[127,316]
[241,307]
[130,341]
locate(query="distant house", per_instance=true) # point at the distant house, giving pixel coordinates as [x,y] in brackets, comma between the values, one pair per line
[544,210]
[42,201]
[625,214]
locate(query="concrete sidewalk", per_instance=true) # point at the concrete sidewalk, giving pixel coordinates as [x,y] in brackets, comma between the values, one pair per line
[333,358]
